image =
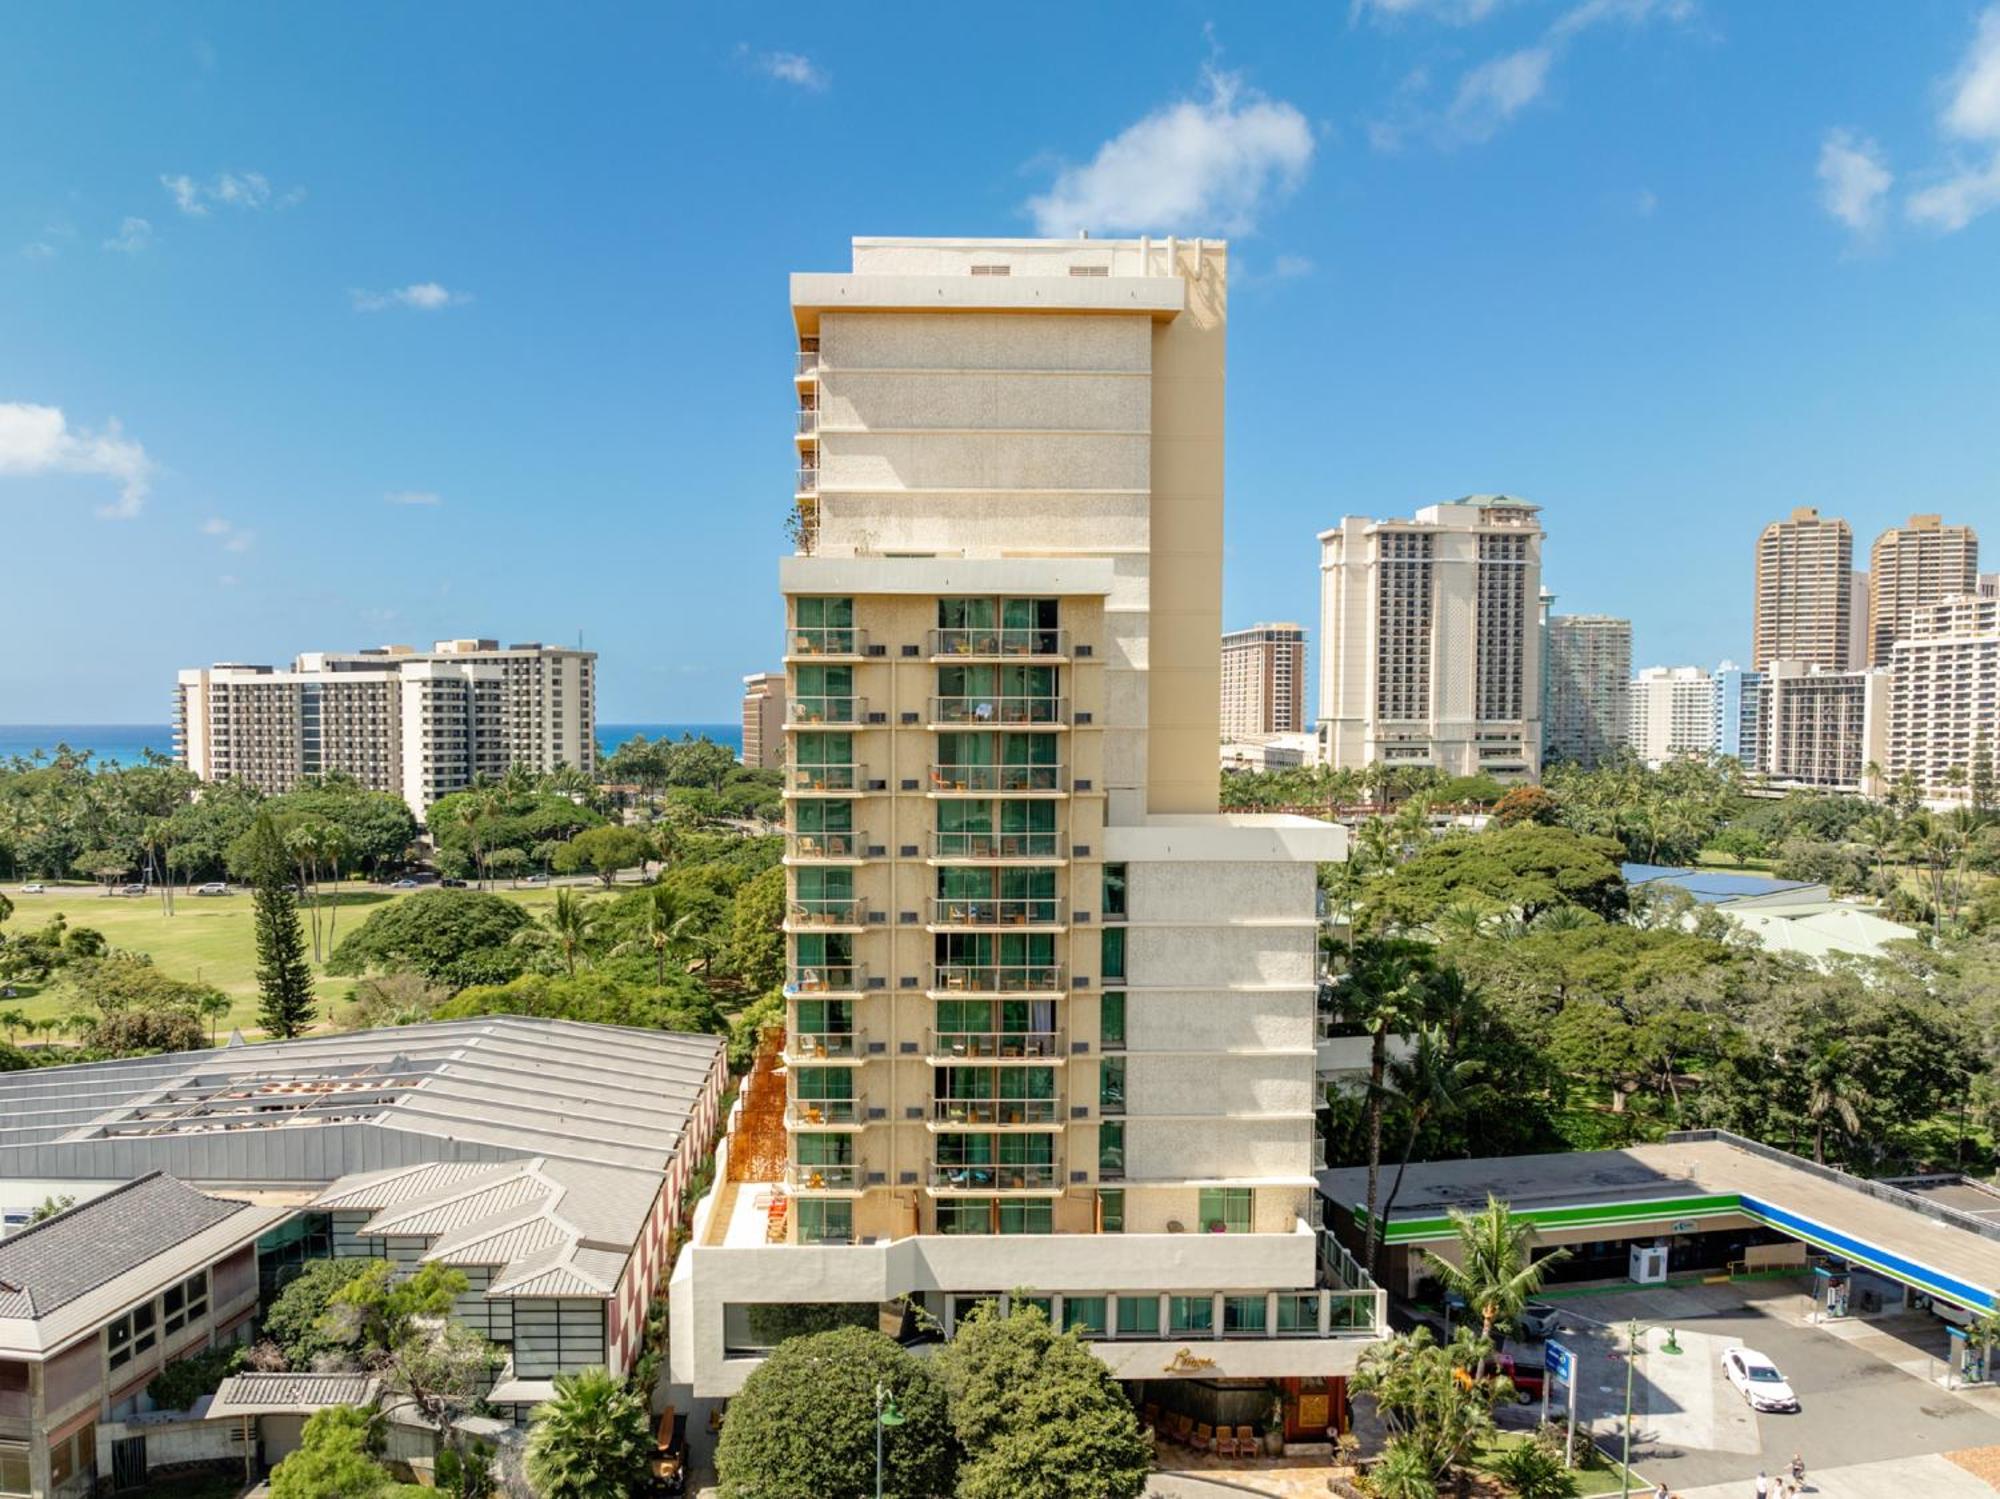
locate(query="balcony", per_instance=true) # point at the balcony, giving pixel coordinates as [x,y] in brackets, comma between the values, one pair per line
[808,421]
[992,711]
[1002,780]
[996,1046]
[981,847]
[826,712]
[807,362]
[831,848]
[997,978]
[808,481]
[1012,645]
[825,778]
[996,1113]
[820,641]
[1046,911]
[823,1178]
[826,978]
[826,1046]
[826,1113]
[826,913]
[996,1176]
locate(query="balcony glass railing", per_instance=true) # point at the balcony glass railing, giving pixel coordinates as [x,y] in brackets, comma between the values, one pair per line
[808,481]
[1004,911]
[996,1112]
[996,1177]
[994,711]
[808,361]
[994,846]
[825,845]
[826,777]
[997,1045]
[998,978]
[829,640]
[825,978]
[827,910]
[988,779]
[817,1046]
[848,710]
[827,1110]
[823,1178]
[999,642]
[808,421]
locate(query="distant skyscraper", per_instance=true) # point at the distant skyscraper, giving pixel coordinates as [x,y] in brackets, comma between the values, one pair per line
[1824,728]
[1263,681]
[1739,715]
[1857,619]
[1911,567]
[764,720]
[1944,695]
[1589,679]
[1803,606]
[1430,646]
[1672,714]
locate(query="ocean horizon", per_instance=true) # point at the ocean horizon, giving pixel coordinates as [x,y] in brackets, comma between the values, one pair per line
[127,743]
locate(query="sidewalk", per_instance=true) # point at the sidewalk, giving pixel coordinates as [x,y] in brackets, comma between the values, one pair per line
[1929,1477]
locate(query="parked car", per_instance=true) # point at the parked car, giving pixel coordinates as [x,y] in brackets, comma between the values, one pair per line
[534,879]
[1539,1320]
[1527,1379]
[1757,1379]
[213,887]
[34,887]
[452,884]
[132,889]
[405,883]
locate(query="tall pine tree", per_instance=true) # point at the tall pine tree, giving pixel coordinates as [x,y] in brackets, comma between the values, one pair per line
[285,1004]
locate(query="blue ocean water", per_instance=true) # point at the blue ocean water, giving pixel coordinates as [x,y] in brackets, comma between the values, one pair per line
[126,743]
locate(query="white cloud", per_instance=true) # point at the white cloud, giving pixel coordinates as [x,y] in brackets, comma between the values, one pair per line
[1192,167]
[246,190]
[37,440]
[1645,203]
[413,497]
[421,296]
[1450,12]
[1853,179]
[1498,89]
[133,236]
[794,68]
[38,249]
[1289,267]
[1972,114]
[232,538]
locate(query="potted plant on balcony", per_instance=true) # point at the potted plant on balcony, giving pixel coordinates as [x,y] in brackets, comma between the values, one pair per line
[1274,1426]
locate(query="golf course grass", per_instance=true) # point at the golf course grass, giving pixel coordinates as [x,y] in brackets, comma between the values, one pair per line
[208,940]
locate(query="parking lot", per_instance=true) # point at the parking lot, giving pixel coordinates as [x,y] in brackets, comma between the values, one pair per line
[1867,1389]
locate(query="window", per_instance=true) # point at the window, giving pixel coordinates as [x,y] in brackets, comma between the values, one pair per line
[1111,1085]
[1114,891]
[1111,1211]
[1084,1314]
[1111,953]
[74,1455]
[1225,1210]
[186,1302]
[1111,1150]
[1111,1020]
[132,1334]
[1243,1313]
[965,1215]
[14,1469]
[1036,1216]
[1138,1316]
[825,1220]
[1191,1314]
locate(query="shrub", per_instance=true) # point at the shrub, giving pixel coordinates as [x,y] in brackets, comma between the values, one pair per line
[293,1321]
[181,1383]
[452,937]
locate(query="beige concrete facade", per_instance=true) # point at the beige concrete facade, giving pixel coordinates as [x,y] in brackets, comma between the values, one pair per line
[1944,697]
[764,720]
[1910,568]
[1824,728]
[1046,1006]
[419,724]
[1263,681]
[1589,686]
[1430,639]
[1804,595]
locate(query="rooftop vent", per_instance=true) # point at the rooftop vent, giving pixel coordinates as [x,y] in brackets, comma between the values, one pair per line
[1090,270]
[992,270]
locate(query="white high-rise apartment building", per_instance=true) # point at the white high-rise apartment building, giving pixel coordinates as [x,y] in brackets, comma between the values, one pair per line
[1824,728]
[1430,641]
[1589,687]
[1672,714]
[1739,722]
[764,720]
[420,724]
[1910,568]
[1805,595]
[1944,696]
[1263,681]
[1050,1018]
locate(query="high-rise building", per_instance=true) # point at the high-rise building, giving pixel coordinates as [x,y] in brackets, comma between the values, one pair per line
[1589,677]
[1804,599]
[1944,697]
[1910,568]
[1049,1017]
[1739,715]
[1430,646]
[420,724]
[1672,714]
[764,720]
[1263,681]
[1824,728]
[1857,619]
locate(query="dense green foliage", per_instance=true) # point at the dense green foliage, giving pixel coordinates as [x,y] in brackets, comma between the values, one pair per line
[335,1460]
[454,937]
[471,827]
[285,1005]
[1436,1402]
[605,999]
[804,1425]
[591,1441]
[186,1380]
[293,1321]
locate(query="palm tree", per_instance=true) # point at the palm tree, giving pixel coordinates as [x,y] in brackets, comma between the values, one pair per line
[591,1441]
[1833,1092]
[1432,1081]
[669,929]
[569,922]
[1493,1271]
[214,1005]
[1383,991]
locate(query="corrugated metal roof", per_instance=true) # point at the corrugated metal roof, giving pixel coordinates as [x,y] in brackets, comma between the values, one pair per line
[52,1263]
[459,1208]
[290,1394]
[484,1244]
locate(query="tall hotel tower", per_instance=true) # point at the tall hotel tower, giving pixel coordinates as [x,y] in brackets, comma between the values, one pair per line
[1050,1017]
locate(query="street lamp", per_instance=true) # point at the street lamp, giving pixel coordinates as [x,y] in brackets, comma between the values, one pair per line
[1632,1331]
[886,1415]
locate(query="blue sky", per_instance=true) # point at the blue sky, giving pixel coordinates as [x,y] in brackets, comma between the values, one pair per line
[325,326]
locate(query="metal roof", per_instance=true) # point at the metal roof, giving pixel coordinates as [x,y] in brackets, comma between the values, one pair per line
[1709,887]
[290,1394]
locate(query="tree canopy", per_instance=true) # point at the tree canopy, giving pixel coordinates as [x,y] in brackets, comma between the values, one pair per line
[454,937]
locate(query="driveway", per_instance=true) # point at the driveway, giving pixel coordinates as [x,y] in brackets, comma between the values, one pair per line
[1866,1388]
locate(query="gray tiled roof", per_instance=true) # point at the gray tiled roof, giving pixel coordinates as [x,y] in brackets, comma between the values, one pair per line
[290,1394]
[52,1263]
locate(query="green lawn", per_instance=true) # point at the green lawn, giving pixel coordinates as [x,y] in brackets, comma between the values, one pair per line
[1602,1480]
[208,939]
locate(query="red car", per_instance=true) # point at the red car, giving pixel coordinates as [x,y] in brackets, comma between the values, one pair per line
[1527,1379]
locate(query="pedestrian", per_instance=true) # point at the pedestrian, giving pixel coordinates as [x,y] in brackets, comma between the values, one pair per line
[1763,1488]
